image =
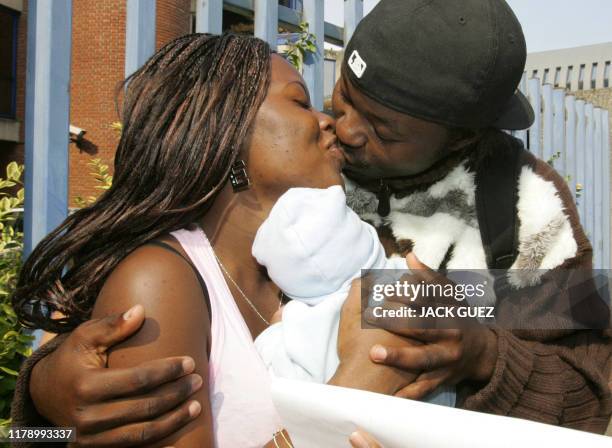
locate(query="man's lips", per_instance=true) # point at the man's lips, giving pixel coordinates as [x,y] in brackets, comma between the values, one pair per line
[347,157]
[336,152]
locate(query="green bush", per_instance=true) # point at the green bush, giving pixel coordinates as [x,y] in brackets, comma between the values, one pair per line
[306,43]
[102,177]
[14,340]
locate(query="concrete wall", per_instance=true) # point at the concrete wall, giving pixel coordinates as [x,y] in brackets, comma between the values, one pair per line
[558,63]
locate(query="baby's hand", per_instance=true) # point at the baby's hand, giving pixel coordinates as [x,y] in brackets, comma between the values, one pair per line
[277,316]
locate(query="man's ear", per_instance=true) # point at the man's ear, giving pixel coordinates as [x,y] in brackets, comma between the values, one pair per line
[462,138]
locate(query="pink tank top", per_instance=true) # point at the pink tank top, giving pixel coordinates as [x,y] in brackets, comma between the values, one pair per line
[241,403]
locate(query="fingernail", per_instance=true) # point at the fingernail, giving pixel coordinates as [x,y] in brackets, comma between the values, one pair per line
[358,440]
[188,365]
[378,353]
[194,408]
[129,313]
[196,382]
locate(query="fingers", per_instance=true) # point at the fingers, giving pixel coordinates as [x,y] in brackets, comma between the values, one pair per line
[414,264]
[101,417]
[419,358]
[361,439]
[423,385]
[144,433]
[105,384]
[100,334]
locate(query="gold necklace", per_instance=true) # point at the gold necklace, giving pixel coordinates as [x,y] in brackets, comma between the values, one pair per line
[251,304]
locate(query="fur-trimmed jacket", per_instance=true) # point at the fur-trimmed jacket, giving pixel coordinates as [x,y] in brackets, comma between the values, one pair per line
[558,376]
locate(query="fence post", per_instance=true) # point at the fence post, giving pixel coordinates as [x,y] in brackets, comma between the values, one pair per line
[139,34]
[533,89]
[266,21]
[570,143]
[47,118]
[547,122]
[209,16]
[605,130]
[598,190]
[313,63]
[559,130]
[353,13]
[580,158]
[522,135]
[589,171]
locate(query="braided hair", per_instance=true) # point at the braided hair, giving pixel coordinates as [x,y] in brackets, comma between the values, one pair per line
[186,115]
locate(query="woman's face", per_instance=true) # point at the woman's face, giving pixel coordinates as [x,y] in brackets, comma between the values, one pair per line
[291,145]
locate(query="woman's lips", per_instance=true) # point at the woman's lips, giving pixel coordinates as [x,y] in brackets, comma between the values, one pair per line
[338,155]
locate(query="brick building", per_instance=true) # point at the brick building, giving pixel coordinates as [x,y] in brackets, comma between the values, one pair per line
[97,68]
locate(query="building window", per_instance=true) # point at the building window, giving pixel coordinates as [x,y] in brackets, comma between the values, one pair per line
[594,75]
[557,76]
[607,74]
[581,77]
[568,77]
[8,61]
[293,4]
[545,78]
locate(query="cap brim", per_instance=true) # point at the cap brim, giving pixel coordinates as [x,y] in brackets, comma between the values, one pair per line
[518,114]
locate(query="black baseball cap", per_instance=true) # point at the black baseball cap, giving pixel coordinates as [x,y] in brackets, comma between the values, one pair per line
[453,62]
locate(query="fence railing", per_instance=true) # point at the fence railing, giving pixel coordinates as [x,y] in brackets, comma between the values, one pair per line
[574,136]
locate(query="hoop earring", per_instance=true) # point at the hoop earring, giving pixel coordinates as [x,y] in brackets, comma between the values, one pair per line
[239,177]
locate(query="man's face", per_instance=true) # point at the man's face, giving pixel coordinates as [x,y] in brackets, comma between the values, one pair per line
[380,142]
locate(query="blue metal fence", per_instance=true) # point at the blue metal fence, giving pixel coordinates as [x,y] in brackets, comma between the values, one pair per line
[579,133]
[47,117]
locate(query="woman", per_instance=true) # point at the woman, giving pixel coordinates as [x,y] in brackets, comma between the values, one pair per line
[174,233]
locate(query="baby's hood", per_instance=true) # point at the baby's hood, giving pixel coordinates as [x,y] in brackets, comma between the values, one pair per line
[313,244]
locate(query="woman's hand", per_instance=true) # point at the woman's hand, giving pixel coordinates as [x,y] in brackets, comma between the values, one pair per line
[281,439]
[131,406]
[447,356]
[361,439]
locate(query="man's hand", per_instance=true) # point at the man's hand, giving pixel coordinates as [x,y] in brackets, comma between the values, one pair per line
[356,370]
[447,356]
[113,407]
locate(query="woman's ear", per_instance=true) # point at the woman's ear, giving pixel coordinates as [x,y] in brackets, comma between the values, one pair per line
[461,138]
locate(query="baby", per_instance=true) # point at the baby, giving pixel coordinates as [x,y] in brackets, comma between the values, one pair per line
[313,246]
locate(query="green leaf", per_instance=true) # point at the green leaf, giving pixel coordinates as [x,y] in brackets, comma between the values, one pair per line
[13,172]
[9,371]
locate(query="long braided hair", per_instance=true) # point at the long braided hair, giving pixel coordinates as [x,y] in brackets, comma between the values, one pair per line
[186,115]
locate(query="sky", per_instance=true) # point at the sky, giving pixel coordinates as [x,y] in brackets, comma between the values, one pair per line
[547,24]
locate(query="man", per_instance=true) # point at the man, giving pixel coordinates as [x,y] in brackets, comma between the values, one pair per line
[425,89]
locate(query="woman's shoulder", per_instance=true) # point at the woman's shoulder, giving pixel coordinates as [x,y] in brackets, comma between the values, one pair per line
[157,275]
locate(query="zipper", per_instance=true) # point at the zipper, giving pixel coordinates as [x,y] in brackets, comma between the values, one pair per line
[384,196]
